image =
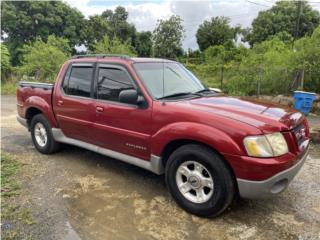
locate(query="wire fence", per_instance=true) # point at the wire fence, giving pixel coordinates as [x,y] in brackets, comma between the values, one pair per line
[257,80]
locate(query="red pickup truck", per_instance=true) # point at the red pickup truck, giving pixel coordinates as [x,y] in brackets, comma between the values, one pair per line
[156,114]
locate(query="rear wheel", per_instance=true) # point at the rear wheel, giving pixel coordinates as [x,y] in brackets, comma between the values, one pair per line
[199,180]
[42,135]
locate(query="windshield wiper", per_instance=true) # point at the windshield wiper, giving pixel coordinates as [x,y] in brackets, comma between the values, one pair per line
[176,95]
[203,90]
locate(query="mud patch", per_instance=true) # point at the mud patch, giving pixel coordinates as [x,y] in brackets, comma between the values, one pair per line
[150,216]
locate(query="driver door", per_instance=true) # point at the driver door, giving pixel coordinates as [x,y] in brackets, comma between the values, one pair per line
[120,127]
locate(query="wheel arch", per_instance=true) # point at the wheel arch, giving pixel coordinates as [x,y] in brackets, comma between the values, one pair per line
[177,143]
[35,105]
[31,112]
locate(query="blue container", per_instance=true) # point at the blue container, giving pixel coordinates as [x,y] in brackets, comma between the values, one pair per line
[303,101]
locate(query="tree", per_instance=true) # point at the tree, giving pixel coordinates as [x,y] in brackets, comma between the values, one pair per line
[307,58]
[44,59]
[95,29]
[119,27]
[143,44]
[113,46]
[216,32]
[24,21]
[167,37]
[111,23]
[5,61]
[282,18]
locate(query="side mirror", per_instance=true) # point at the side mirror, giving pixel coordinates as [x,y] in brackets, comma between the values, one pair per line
[129,96]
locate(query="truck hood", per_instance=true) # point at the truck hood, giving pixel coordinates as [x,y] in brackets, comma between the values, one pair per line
[266,116]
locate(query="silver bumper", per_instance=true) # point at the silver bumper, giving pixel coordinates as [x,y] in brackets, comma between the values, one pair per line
[22,121]
[271,186]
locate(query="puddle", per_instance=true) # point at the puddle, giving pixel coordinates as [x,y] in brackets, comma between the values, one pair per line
[115,207]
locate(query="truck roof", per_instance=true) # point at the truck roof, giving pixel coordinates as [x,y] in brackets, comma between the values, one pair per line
[107,57]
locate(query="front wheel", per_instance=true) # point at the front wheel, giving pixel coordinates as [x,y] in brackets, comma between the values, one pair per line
[42,135]
[199,180]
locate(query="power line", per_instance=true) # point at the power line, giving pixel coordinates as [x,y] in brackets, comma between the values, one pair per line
[190,23]
[259,4]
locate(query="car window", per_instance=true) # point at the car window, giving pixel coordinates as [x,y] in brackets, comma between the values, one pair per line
[66,80]
[79,83]
[162,79]
[111,81]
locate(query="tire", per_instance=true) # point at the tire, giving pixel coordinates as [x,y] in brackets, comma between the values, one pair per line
[41,135]
[205,198]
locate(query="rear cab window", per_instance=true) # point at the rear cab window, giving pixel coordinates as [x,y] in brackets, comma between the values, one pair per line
[78,80]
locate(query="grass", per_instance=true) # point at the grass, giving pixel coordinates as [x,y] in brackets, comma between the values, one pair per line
[9,87]
[9,169]
[14,217]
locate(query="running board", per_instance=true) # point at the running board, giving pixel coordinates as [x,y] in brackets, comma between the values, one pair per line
[154,165]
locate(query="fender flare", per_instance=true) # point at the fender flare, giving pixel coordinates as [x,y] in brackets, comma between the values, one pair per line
[43,106]
[205,134]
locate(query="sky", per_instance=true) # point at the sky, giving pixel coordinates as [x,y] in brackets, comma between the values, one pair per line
[144,14]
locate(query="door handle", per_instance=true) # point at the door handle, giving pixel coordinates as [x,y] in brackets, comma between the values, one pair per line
[99,109]
[60,102]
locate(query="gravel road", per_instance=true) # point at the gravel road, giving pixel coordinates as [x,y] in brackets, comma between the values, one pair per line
[78,194]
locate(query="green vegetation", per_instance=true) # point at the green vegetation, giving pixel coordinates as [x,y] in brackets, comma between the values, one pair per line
[216,32]
[14,217]
[269,66]
[9,169]
[9,87]
[281,19]
[5,60]
[282,54]
[107,45]
[167,38]
[25,21]
[43,59]
[143,44]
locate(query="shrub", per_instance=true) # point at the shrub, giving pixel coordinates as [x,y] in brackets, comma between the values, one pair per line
[43,60]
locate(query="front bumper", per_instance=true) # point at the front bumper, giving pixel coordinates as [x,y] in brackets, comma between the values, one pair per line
[271,186]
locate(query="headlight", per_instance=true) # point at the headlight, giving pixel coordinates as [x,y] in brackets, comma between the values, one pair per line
[269,145]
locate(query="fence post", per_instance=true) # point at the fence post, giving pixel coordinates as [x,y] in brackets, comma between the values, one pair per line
[221,77]
[302,79]
[259,82]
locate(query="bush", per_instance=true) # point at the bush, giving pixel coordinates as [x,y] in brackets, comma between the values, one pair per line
[43,60]
[307,57]
[5,62]
[113,46]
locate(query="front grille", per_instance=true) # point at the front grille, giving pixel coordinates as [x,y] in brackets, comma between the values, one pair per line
[300,133]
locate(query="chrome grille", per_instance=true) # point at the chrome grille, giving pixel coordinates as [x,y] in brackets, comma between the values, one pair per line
[300,133]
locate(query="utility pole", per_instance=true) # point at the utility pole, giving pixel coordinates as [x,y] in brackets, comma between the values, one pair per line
[296,34]
[299,7]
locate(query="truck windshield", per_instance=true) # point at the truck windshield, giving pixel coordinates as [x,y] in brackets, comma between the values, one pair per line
[168,79]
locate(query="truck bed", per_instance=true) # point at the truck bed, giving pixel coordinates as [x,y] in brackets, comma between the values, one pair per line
[29,93]
[45,86]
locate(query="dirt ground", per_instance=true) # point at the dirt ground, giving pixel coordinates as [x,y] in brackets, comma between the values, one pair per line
[78,194]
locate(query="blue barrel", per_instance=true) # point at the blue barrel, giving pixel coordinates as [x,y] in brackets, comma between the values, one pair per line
[303,101]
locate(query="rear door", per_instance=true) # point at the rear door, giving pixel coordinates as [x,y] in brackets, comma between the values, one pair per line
[74,106]
[120,127]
